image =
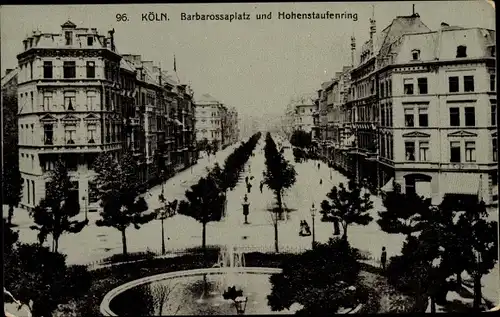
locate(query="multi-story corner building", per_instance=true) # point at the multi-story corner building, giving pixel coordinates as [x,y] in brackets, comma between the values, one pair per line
[186,153]
[304,119]
[68,106]
[209,119]
[439,113]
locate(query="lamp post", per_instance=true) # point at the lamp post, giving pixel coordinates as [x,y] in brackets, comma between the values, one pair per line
[240,303]
[313,215]
[85,207]
[162,180]
[246,207]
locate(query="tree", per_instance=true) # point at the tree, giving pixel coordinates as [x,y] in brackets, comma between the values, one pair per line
[279,176]
[469,240]
[203,145]
[417,272]
[347,205]
[322,280]
[214,146]
[35,274]
[204,203]
[301,139]
[404,213]
[12,182]
[53,214]
[118,189]
[167,210]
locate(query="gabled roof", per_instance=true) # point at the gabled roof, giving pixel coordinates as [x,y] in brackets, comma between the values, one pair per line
[207,99]
[68,24]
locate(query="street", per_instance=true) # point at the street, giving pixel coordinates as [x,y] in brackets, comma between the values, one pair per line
[95,243]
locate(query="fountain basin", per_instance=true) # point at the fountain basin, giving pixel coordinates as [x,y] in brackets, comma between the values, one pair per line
[116,301]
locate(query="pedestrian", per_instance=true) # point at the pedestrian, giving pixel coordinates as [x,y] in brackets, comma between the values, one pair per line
[261,186]
[318,166]
[320,181]
[383,258]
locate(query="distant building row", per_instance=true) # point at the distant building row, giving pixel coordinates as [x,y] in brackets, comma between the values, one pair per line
[78,97]
[216,122]
[417,107]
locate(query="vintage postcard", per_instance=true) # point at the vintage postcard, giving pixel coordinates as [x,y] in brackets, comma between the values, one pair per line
[249,158]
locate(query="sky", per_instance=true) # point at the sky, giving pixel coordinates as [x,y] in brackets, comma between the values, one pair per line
[254,65]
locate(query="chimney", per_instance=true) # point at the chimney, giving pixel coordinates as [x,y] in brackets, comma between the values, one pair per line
[8,70]
[353,49]
[112,39]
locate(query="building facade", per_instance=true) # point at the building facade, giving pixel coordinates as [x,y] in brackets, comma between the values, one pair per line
[419,108]
[78,97]
[304,118]
[67,107]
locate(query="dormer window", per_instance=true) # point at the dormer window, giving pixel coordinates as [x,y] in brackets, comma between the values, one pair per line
[415,54]
[90,41]
[69,37]
[462,51]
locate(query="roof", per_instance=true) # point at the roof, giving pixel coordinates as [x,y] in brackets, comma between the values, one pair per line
[127,65]
[399,26]
[7,78]
[207,99]
[68,24]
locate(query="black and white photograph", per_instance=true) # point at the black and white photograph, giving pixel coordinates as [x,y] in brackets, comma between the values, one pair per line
[279,158]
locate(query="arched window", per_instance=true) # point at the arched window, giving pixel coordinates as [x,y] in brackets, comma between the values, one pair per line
[415,54]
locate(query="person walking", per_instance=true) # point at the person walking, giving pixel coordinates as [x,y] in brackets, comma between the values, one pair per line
[320,181]
[383,258]
[261,186]
[318,166]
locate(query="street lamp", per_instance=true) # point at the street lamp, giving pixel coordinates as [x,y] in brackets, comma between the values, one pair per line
[85,207]
[313,215]
[241,304]
[162,181]
[246,207]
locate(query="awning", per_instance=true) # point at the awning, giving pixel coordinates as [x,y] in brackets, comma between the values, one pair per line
[389,186]
[461,183]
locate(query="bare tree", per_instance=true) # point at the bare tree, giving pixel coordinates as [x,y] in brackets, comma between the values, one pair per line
[162,293]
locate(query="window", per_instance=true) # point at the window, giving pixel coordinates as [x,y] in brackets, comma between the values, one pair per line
[408,86]
[33,187]
[47,70]
[462,51]
[423,118]
[90,41]
[47,100]
[32,101]
[468,83]
[91,130]
[69,100]
[91,98]
[454,116]
[69,37]
[495,149]
[492,51]
[28,186]
[470,151]
[415,54]
[70,133]
[410,151]
[423,151]
[69,69]
[382,90]
[422,86]
[470,117]
[455,152]
[90,69]
[48,132]
[493,113]
[453,84]
[409,121]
